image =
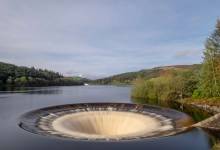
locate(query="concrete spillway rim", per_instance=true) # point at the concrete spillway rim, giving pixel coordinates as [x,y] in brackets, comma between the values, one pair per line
[37,115]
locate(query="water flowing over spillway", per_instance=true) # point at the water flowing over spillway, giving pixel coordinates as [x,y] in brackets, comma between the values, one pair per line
[105,121]
[107,124]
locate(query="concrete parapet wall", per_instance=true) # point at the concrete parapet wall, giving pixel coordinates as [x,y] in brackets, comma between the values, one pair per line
[212,123]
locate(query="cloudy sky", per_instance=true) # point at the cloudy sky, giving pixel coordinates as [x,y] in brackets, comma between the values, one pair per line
[103,37]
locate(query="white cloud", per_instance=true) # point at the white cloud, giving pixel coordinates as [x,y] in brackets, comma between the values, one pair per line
[186,53]
[100,37]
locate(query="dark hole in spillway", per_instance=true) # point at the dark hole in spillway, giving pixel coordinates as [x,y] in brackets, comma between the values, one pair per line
[105,121]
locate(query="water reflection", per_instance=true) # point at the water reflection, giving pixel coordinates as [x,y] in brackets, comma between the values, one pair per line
[13,105]
[196,113]
[32,90]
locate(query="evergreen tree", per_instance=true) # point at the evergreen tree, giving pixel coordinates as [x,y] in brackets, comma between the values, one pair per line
[210,74]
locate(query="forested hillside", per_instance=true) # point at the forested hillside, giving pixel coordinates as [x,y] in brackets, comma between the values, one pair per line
[12,75]
[127,78]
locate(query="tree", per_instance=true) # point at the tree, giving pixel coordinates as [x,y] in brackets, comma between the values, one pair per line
[10,80]
[12,75]
[210,74]
[22,81]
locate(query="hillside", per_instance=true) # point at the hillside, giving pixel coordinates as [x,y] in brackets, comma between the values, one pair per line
[20,76]
[127,78]
[12,75]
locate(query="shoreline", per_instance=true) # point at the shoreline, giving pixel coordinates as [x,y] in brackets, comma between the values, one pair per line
[213,109]
[205,105]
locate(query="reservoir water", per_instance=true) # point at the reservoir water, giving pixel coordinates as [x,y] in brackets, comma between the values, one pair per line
[14,104]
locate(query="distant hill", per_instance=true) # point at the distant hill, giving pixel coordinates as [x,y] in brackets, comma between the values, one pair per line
[127,78]
[12,75]
[20,76]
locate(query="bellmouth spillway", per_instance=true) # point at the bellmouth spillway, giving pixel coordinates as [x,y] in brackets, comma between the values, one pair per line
[105,121]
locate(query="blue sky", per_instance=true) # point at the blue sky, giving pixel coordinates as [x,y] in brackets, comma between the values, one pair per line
[98,38]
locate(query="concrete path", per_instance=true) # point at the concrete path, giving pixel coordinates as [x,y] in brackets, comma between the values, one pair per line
[211,123]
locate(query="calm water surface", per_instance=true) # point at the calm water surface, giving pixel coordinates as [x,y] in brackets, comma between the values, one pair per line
[13,105]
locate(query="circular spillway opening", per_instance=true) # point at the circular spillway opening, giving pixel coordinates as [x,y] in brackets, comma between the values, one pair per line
[105,121]
[106,124]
